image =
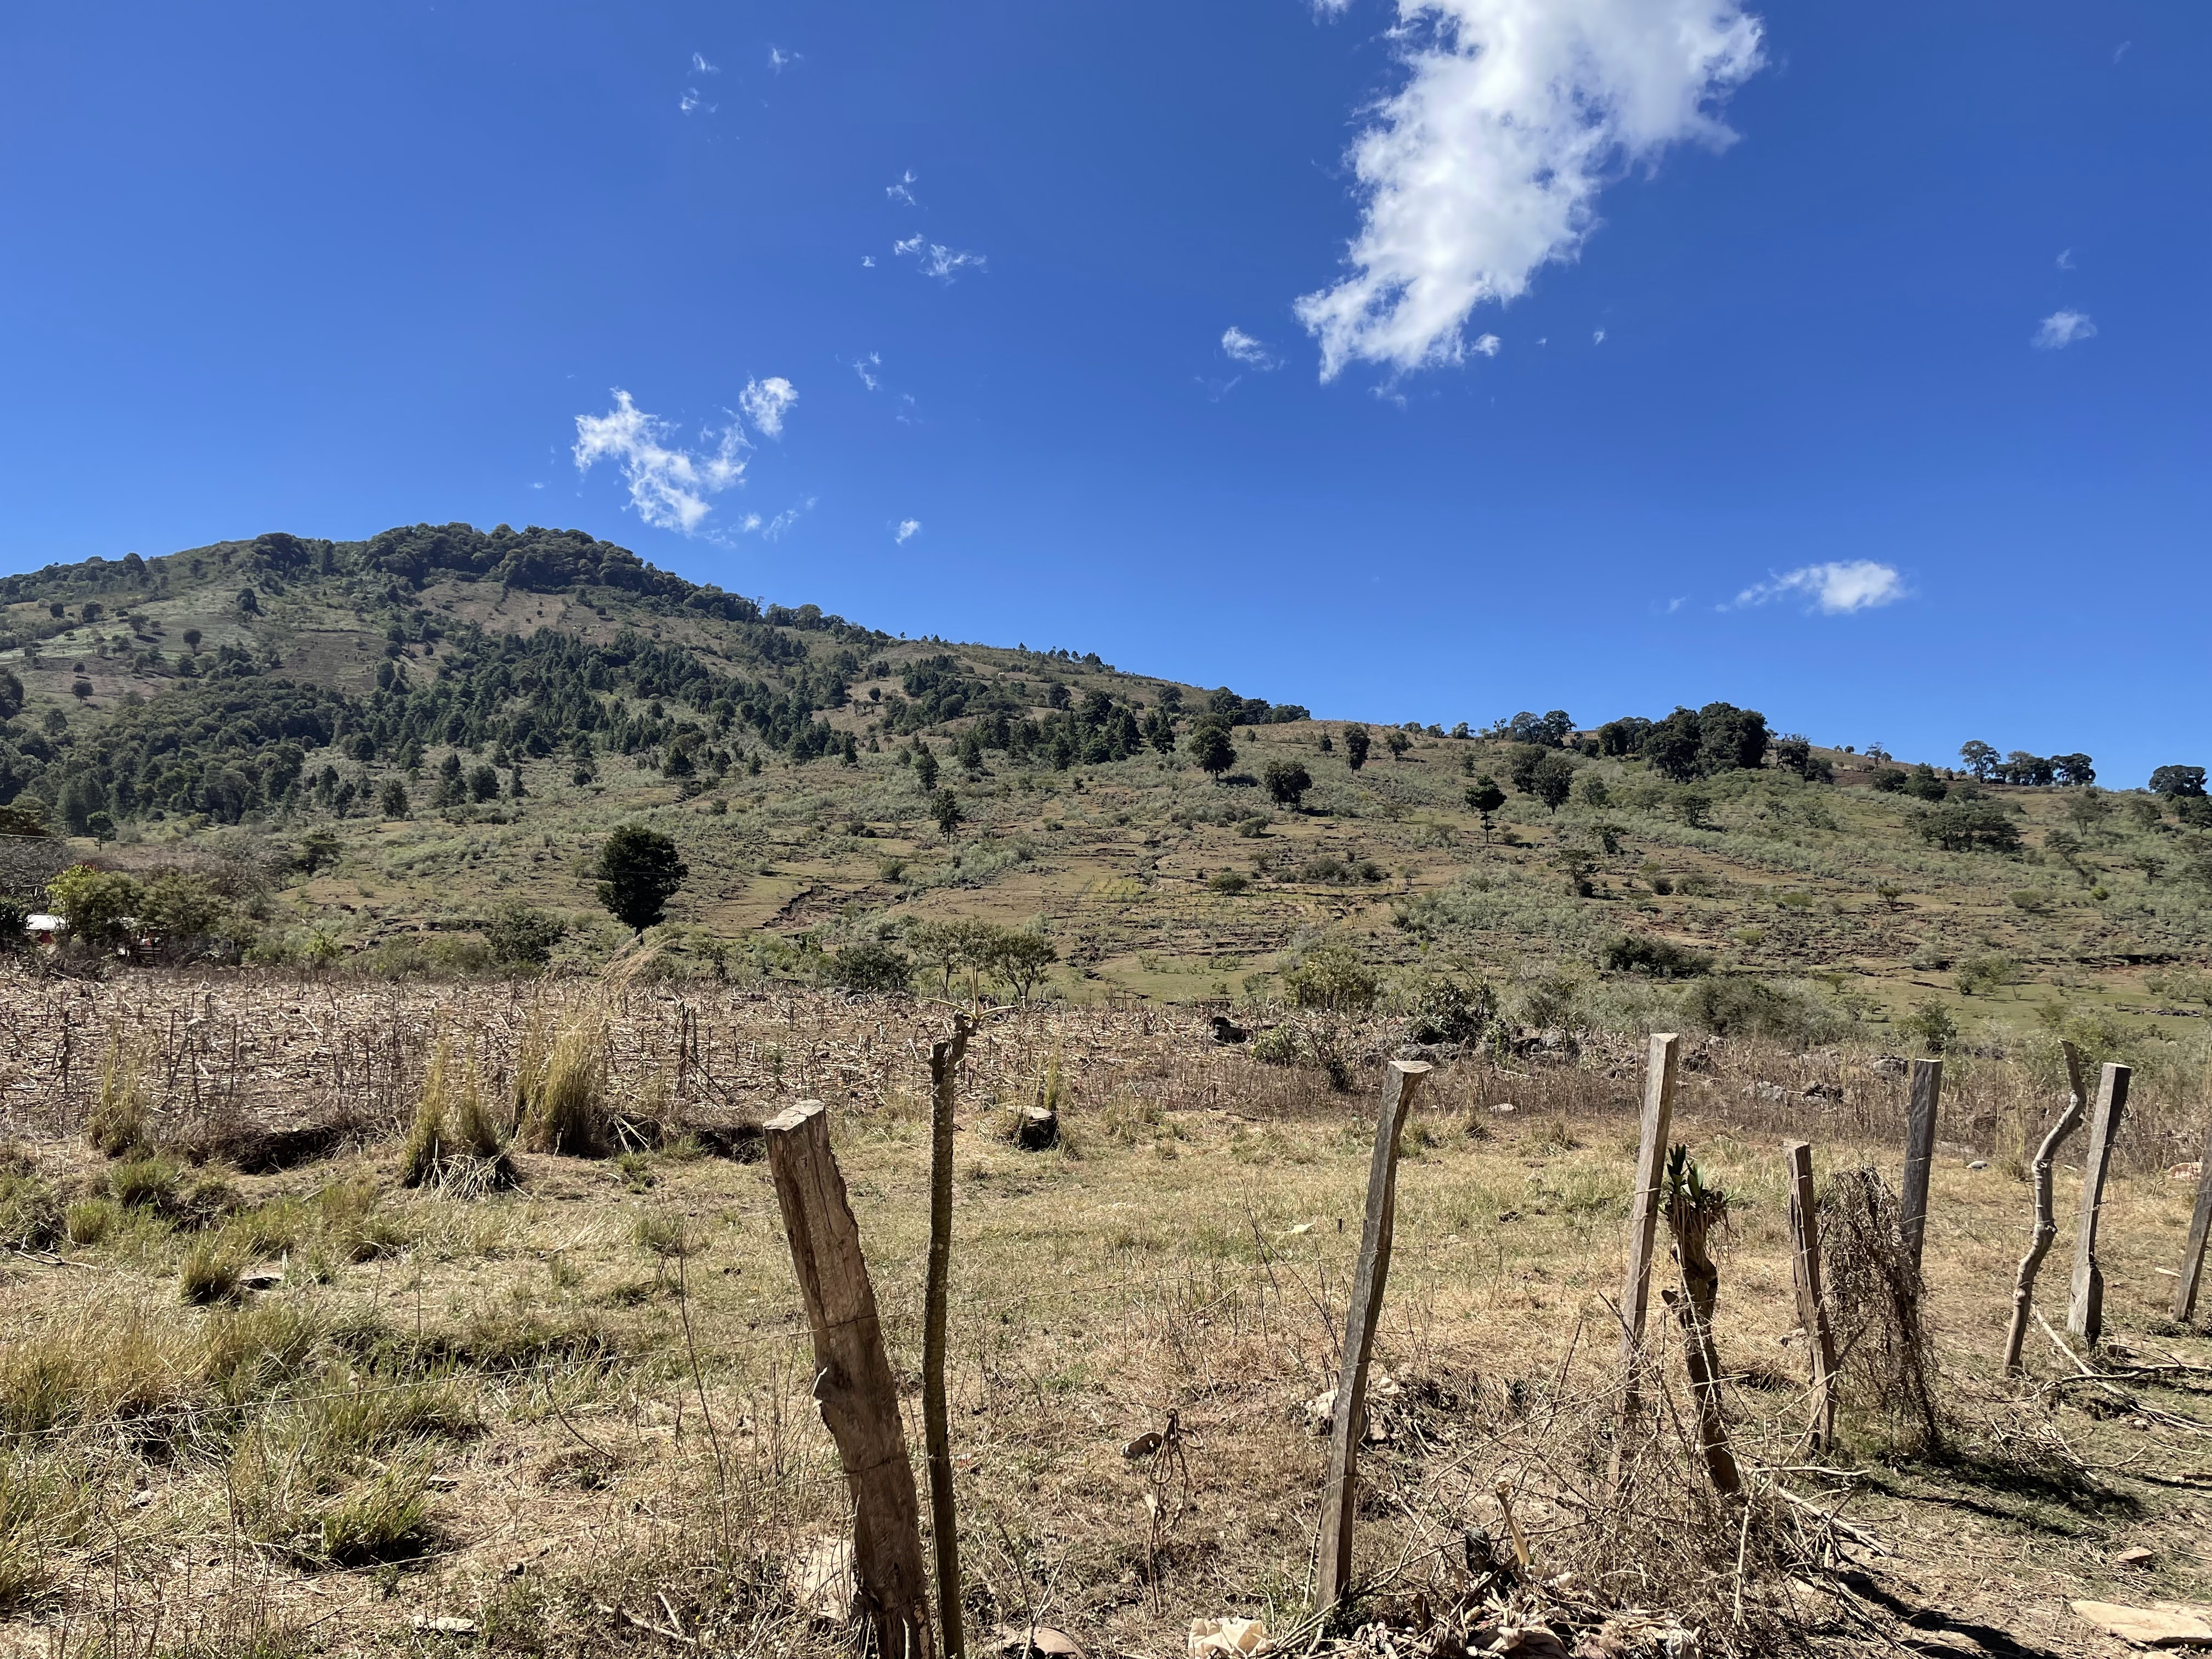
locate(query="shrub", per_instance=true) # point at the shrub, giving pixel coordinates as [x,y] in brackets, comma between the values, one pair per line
[522,936]
[1333,977]
[1740,1006]
[1656,958]
[1228,881]
[1446,1009]
[1286,782]
[1931,1023]
[871,967]
[1987,973]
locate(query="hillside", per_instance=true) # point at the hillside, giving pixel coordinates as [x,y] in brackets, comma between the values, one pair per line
[237,707]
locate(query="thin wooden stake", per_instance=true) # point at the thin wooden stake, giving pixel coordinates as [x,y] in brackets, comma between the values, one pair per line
[1812,1311]
[853,1381]
[1660,1069]
[1348,1418]
[2192,1257]
[945,1060]
[2085,1310]
[2046,1222]
[1919,1155]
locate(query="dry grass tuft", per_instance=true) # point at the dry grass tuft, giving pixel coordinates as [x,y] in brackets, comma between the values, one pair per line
[560,1085]
[453,1145]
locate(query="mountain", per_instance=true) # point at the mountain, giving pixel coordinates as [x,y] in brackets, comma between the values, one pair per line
[403,734]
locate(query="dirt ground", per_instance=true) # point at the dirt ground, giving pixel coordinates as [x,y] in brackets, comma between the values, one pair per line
[607,1439]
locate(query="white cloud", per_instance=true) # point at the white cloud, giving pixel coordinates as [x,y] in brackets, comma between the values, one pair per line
[779,61]
[1837,588]
[866,368]
[868,260]
[903,190]
[700,66]
[1487,345]
[2065,260]
[2061,329]
[907,531]
[766,402]
[668,486]
[1487,162]
[774,527]
[1240,347]
[1598,336]
[691,100]
[935,260]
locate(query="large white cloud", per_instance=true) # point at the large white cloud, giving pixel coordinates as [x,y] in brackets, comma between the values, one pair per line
[1487,162]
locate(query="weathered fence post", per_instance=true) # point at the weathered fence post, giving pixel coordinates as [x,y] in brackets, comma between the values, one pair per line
[1919,1155]
[853,1381]
[2046,1222]
[2192,1257]
[2085,1311]
[1812,1311]
[1659,1068]
[945,1060]
[1348,1417]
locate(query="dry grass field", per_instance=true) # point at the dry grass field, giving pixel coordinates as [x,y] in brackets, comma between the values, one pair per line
[258,1396]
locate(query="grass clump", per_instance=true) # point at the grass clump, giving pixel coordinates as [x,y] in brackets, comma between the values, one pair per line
[209,1274]
[453,1144]
[30,1214]
[560,1085]
[89,1222]
[145,1184]
[117,1125]
[41,1508]
[358,1225]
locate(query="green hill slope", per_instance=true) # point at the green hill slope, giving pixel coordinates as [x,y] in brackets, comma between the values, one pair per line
[447,720]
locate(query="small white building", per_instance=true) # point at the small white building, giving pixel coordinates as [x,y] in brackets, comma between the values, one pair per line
[44,928]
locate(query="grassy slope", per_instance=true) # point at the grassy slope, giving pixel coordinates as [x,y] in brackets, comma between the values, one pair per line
[1116,858]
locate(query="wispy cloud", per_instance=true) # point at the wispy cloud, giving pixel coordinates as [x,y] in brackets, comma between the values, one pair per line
[935,260]
[1240,348]
[773,529]
[907,531]
[700,66]
[868,260]
[2065,260]
[1487,345]
[766,402]
[780,60]
[902,189]
[1598,336]
[2062,329]
[668,484]
[1837,588]
[691,100]
[2121,50]
[1487,162]
[866,368]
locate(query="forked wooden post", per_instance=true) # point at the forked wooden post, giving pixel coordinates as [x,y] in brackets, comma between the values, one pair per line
[2192,1257]
[1919,1155]
[1348,1418]
[853,1381]
[2085,1310]
[1659,1068]
[1812,1311]
[2046,1222]
[1705,1397]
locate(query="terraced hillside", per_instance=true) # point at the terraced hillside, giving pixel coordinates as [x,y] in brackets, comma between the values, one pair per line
[367,747]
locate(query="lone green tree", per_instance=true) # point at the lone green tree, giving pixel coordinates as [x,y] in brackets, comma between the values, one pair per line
[1210,748]
[1484,797]
[946,809]
[1554,778]
[639,871]
[925,766]
[1397,743]
[1287,783]
[1355,746]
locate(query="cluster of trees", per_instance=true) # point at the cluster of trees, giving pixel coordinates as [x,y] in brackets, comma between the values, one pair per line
[1018,958]
[1697,743]
[1985,765]
[170,915]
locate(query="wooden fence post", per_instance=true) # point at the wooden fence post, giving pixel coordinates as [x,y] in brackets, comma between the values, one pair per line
[2192,1257]
[1812,1312]
[1348,1418]
[1919,1155]
[853,1381]
[2046,1222]
[1705,1397]
[1660,1069]
[945,1060]
[2085,1311]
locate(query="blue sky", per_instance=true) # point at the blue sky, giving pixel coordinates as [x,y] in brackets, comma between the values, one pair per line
[1850,362]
